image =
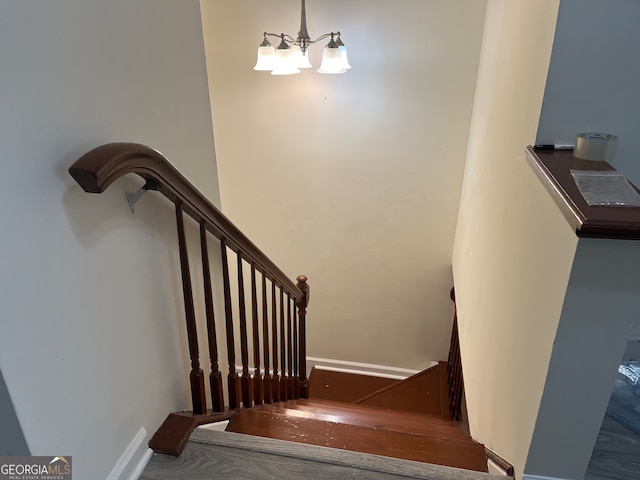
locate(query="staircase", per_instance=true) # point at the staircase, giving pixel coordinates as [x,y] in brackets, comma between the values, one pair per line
[396,428]
[326,438]
[392,428]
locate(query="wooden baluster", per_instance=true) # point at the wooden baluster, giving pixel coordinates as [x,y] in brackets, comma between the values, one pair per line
[196,376]
[457,404]
[275,380]
[455,368]
[452,354]
[265,329]
[302,316]
[245,380]
[283,353]
[455,390]
[215,377]
[452,385]
[452,344]
[455,375]
[452,395]
[258,391]
[296,370]
[289,351]
[459,382]
[232,377]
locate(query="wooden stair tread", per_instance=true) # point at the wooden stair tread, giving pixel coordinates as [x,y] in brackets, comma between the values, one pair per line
[372,418]
[461,454]
[354,407]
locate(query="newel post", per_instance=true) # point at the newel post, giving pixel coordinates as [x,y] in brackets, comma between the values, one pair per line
[301,304]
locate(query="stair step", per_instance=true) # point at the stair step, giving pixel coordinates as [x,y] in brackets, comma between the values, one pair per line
[419,393]
[354,407]
[449,452]
[371,417]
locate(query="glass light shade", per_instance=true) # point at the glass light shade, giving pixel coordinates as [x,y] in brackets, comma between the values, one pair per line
[331,61]
[301,59]
[343,57]
[266,58]
[285,62]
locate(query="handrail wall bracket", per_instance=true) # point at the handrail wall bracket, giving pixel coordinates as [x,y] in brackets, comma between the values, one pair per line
[133,196]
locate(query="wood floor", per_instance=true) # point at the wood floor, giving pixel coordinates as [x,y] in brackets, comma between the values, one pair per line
[616,455]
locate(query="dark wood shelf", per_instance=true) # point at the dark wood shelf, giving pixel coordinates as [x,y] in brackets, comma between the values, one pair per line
[553,169]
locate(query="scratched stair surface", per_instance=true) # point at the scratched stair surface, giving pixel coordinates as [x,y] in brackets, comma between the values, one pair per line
[373,417]
[389,437]
[225,456]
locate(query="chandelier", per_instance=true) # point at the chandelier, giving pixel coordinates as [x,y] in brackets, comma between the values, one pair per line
[292,53]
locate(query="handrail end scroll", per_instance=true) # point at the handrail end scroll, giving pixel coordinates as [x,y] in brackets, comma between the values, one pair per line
[100,167]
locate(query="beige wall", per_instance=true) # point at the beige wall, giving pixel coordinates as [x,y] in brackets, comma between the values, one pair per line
[91,306]
[354,179]
[513,249]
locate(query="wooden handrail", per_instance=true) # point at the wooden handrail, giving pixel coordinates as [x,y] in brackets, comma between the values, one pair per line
[284,376]
[102,166]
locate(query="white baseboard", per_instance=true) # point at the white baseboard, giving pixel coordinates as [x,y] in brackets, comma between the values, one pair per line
[133,460]
[357,368]
[139,468]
